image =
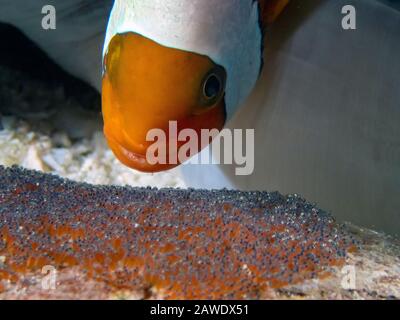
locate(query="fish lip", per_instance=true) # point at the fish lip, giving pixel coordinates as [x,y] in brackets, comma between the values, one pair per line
[134,160]
[128,153]
[131,155]
[111,139]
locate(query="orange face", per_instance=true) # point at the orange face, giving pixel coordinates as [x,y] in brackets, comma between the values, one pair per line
[146,85]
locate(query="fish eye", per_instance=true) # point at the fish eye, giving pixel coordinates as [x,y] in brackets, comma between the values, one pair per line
[213,85]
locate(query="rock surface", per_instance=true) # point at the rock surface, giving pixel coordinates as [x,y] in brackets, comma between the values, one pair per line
[141,243]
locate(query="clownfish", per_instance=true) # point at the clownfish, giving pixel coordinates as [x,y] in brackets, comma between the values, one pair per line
[193,62]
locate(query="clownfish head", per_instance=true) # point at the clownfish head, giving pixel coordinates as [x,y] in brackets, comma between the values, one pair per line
[193,62]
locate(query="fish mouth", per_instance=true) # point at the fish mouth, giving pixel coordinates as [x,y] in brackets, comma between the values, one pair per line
[133,159]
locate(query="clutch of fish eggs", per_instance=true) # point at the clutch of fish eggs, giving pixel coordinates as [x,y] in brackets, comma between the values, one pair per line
[187,244]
